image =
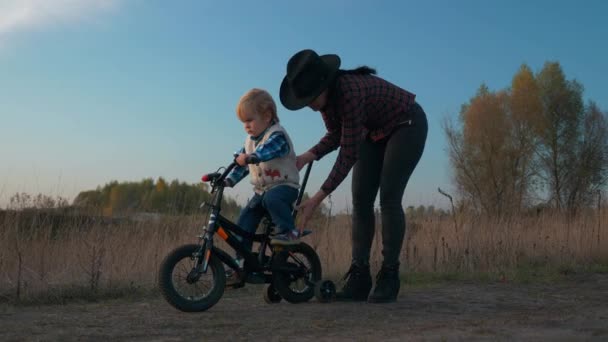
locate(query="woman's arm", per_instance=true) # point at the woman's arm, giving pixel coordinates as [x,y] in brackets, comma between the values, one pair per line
[331,139]
[353,133]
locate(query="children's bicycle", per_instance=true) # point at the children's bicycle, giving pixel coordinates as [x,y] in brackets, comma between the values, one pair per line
[192,277]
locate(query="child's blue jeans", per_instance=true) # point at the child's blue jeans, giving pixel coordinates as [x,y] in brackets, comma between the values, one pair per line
[278,202]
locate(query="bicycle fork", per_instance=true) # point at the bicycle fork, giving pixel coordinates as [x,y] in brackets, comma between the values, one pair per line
[203,254]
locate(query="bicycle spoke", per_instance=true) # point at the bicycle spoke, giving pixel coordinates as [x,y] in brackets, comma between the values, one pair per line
[191,290]
[300,284]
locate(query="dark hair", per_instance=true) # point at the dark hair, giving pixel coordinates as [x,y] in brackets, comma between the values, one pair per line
[362,70]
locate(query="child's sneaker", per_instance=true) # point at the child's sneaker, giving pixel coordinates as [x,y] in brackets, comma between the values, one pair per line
[233,280]
[287,238]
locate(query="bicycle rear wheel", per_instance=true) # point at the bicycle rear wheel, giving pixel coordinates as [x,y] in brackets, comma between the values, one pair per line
[298,284]
[186,289]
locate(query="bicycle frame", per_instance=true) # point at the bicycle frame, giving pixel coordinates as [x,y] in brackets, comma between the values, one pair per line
[228,230]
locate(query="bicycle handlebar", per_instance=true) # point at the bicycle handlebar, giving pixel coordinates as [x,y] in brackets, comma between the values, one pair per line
[217,178]
[252,159]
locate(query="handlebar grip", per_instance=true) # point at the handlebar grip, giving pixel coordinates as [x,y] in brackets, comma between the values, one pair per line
[252,159]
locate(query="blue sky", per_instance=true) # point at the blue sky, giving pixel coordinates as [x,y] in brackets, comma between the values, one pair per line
[99,90]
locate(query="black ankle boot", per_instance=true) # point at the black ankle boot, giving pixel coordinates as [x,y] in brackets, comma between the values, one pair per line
[357,286]
[387,285]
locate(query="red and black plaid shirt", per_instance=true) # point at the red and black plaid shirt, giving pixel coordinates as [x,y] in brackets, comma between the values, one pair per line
[359,105]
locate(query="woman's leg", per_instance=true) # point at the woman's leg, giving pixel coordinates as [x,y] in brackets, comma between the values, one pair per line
[403,151]
[366,179]
[365,183]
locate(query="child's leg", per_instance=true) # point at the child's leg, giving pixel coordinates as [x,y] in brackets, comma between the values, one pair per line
[250,217]
[279,201]
[248,220]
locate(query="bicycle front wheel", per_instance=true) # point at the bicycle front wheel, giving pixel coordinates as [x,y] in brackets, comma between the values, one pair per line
[186,289]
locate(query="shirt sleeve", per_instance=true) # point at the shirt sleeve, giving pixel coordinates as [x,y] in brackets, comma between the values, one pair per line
[238,173]
[276,146]
[352,134]
[331,140]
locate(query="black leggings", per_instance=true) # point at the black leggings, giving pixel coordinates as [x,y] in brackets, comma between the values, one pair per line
[388,165]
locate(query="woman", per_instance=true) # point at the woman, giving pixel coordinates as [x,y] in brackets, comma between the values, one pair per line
[381,132]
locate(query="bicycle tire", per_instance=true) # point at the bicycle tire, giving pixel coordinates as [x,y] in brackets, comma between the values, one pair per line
[283,281]
[178,299]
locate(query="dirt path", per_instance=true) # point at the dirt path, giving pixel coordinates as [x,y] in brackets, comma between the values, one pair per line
[576,310]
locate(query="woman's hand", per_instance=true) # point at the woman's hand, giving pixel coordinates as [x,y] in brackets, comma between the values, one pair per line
[304,159]
[307,208]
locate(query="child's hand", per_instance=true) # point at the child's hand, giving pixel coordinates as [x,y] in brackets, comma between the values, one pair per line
[241,159]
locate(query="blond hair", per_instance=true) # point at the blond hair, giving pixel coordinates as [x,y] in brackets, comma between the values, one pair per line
[256,101]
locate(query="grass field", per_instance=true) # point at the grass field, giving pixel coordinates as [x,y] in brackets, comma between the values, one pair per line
[45,261]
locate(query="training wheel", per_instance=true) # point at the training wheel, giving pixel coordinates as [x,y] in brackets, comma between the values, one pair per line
[271,296]
[325,291]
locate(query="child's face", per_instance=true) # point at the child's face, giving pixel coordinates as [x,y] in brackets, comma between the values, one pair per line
[255,124]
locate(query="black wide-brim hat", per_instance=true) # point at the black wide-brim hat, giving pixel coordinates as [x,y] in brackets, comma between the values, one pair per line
[308,75]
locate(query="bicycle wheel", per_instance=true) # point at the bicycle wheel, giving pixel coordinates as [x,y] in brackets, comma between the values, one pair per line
[271,296]
[298,284]
[186,289]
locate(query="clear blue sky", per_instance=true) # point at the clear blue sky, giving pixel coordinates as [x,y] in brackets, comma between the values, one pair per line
[99,90]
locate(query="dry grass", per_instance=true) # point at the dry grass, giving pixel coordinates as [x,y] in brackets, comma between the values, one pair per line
[40,261]
[93,258]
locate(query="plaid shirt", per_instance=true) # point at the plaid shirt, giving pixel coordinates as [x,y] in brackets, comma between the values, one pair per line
[360,105]
[275,147]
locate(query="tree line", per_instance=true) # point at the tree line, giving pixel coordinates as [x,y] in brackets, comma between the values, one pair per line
[534,143]
[150,196]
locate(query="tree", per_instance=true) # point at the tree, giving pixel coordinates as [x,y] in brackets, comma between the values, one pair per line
[485,159]
[91,198]
[410,212]
[535,141]
[420,212]
[158,198]
[525,108]
[590,173]
[175,198]
[558,131]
